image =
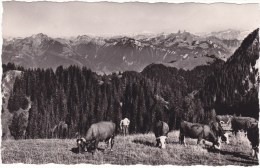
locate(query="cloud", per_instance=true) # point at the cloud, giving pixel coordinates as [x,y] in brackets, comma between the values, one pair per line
[75,18]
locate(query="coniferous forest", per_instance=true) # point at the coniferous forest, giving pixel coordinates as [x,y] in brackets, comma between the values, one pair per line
[80,97]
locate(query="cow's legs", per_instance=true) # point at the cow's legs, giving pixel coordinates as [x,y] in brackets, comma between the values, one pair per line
[112,142]
[235,132]
[199,139]
[96,144]
[108,142]
[157,142]
[254,152]
[219,140]
[182,139]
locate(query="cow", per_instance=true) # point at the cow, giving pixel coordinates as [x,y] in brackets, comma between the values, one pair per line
[101,131]
[241,123]
[197,131]
[60,130]
[218,131]
[161,131]
[124,125]
[81,142]
[253,137]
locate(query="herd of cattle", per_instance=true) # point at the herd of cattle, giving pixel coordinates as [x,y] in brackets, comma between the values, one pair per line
[212,132]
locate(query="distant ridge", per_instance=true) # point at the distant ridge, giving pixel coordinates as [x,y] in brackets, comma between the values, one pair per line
[117,53]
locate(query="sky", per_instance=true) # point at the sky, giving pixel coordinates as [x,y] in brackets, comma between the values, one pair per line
[21,19]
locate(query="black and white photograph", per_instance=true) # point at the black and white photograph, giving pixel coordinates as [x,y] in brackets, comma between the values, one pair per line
[130,83]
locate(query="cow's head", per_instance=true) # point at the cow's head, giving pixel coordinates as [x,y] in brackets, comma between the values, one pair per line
[90,145]
[81,143]
[162,140]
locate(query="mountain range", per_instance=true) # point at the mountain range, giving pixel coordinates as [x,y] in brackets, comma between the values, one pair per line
[105,55]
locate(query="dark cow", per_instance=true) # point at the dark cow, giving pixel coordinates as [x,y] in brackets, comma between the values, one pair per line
[101,131]
[161,131]
[253,137]
[241,123]
[60,130]
[197,131]
[81,142]
[218,131]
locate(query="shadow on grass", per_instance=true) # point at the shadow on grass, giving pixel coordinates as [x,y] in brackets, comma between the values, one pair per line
[91,150]
[235,154]
[75,150]
[251,162]
[147,143]
[173,142]
[151,144]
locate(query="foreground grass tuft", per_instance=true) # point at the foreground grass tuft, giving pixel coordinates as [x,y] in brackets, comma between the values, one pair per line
[132,149]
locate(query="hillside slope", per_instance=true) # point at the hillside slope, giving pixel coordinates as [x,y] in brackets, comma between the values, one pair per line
[235,87]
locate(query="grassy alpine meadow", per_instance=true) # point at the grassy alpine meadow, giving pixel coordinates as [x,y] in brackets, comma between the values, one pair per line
[132,149]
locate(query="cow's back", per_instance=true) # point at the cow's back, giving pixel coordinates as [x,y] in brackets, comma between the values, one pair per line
[166,129]
[161,129]
[192,130]
[102,130]
[242,123]
[250,119]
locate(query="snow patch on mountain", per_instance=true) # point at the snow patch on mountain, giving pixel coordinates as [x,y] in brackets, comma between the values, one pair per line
[185,56]
[129,62]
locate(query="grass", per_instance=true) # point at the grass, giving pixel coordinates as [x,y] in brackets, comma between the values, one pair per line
[132,149]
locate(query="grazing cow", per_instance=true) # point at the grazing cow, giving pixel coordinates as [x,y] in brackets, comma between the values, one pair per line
[60,130]
[218,131]
[63,130]
[161,130]
[101,131]
[241,123]
[124,125]
[253,137]
[198,131]
[81,142]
